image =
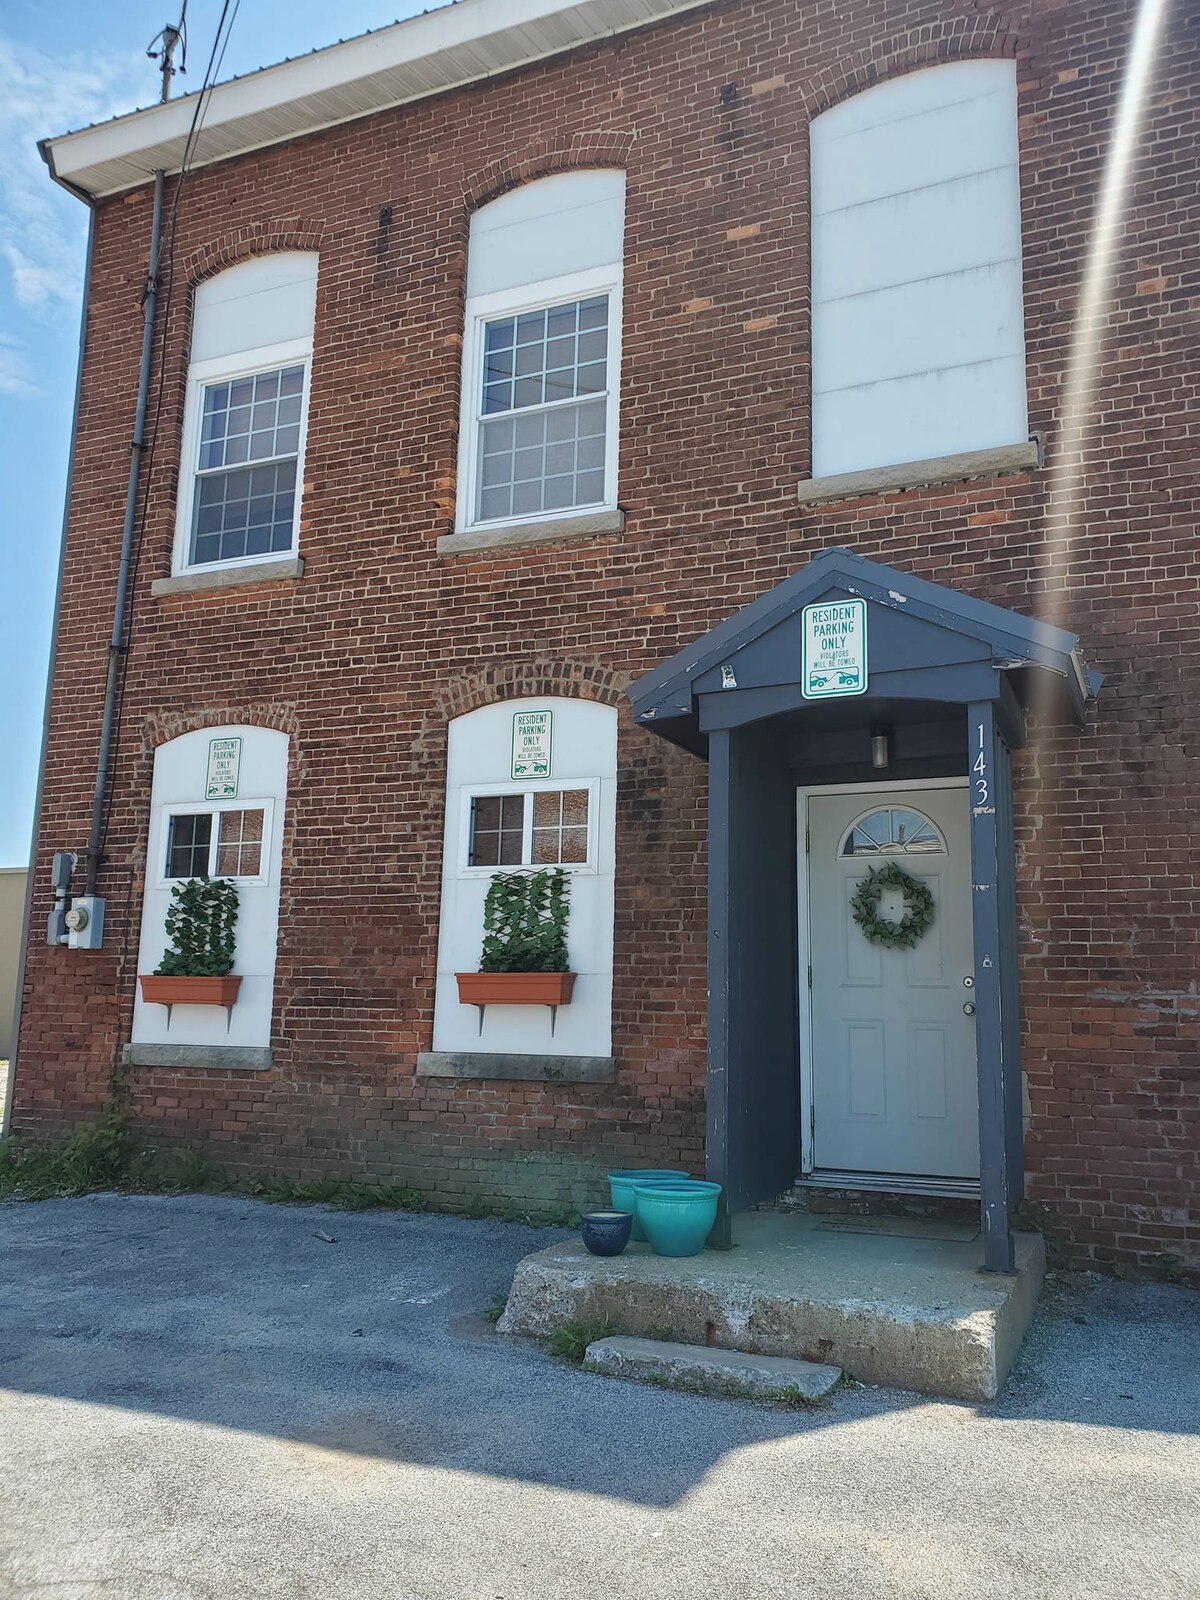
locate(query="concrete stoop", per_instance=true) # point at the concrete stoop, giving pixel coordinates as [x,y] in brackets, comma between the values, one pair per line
[694,1366]
[894,1304]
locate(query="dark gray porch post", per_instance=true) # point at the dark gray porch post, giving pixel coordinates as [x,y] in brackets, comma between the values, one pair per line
[720,845]
[995,1199]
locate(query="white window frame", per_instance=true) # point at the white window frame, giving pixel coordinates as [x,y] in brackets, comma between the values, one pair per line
[471,792]
[485,308]
[211,808]
[222,369]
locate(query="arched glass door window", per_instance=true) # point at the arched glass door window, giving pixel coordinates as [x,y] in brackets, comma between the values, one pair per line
[892,831]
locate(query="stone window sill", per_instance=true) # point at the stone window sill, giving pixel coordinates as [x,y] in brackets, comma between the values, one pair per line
[243,1058]
[585,525]
[537,1069]
[230,577]
[922,474]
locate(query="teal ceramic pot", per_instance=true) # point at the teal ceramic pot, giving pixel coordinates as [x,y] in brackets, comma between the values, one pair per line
[678,1217]
[621,1187]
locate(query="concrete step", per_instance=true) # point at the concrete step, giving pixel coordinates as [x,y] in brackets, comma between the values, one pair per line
[698,1366]
[911,1312]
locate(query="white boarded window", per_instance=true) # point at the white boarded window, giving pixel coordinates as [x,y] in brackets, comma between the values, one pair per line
[918,327]
[239,837]
[541,352]
[499,823]
[245,413]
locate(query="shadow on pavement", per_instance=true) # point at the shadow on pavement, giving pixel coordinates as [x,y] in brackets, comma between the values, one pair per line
[367,1342]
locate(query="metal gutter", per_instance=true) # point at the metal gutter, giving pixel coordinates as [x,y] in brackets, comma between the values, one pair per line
[116,647]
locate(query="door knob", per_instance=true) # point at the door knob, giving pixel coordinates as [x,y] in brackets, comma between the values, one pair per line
[969,1009]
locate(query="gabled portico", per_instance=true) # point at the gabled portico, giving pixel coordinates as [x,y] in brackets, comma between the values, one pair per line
[941,704]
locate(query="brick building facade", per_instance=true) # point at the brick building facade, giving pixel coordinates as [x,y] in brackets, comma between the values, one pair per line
[398,623]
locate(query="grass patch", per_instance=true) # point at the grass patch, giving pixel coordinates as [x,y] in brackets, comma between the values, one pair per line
[108,1156]
[496,1308]
[571,1339]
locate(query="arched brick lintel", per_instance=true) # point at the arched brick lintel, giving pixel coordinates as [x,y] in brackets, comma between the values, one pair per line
[254,239]
[988,36]
[583,149]
[163,726]
[516,680]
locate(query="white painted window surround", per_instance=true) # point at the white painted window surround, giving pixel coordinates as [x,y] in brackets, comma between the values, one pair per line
[479,757]
[180,779]
[252,319]
[553,245]
[918,345]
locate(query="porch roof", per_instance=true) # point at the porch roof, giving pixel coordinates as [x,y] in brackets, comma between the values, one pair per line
[666,698]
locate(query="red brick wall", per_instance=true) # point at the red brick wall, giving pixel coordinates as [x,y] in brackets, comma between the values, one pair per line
[363,659]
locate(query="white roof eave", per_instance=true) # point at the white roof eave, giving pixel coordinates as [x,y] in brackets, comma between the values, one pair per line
[427,55]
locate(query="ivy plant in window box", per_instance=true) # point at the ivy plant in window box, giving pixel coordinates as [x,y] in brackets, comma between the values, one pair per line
[197,967]
[524,958]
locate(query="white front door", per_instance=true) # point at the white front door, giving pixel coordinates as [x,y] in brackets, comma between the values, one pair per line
[891,1050]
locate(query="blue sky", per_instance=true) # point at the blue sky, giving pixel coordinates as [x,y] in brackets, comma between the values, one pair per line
[62,67]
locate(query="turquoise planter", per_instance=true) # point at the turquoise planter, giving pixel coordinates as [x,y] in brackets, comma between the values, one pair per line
[621,1185]
[678,1217]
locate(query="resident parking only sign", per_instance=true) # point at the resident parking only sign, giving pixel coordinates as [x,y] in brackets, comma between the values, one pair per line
[531,744]
[835,649]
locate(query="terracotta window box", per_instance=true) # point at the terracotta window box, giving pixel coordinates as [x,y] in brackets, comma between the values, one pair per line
[515,988]
[160,990]
[164,991]
[485,989]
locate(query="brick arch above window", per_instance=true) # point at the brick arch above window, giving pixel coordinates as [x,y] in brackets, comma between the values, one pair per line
[598,148]
[162,726]
[529,679]
[988,37]
[252,239]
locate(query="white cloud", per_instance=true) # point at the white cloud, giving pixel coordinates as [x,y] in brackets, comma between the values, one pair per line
[39,225]
[16,373]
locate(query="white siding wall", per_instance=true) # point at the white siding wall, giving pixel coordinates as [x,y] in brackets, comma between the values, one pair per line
[180,777]
[918,331]
[479,754]
[547,229]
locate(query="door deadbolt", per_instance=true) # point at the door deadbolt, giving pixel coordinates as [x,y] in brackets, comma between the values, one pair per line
[968,982]
[969,1009]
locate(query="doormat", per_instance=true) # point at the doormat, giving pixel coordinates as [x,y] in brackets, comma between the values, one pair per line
[899,1228]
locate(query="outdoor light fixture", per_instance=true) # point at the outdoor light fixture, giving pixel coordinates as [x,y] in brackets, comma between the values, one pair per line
[881,752]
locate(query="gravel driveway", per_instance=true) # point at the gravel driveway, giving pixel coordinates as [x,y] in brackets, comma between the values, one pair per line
[205,1400]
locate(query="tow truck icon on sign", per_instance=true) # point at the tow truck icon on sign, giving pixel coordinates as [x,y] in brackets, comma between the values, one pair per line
[819,680]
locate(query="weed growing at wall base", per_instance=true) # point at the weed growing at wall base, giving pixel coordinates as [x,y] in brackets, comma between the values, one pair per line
[112,1156]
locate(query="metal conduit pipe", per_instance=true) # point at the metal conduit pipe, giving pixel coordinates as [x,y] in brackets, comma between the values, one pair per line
[116,647]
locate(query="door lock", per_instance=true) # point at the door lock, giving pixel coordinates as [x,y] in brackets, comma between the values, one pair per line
[968,982]
[969,1009]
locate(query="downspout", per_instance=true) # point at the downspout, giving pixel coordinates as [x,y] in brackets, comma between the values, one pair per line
[116,646]
[58,588]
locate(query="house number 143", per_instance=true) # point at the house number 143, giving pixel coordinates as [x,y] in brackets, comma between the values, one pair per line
[980,769]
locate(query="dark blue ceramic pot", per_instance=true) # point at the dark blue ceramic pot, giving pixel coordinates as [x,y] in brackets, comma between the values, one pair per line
[606,1233]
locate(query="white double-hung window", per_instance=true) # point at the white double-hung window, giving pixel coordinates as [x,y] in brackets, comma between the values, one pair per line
[541,354]
[245,414]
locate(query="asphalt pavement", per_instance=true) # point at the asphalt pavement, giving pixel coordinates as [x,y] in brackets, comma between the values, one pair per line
[214,1399]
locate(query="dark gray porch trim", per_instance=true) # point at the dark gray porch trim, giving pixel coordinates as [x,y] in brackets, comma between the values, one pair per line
[983,742]
[665,697]
[721,697]
[720,877]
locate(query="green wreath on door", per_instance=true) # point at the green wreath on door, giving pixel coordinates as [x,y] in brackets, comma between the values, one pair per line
[918,908]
